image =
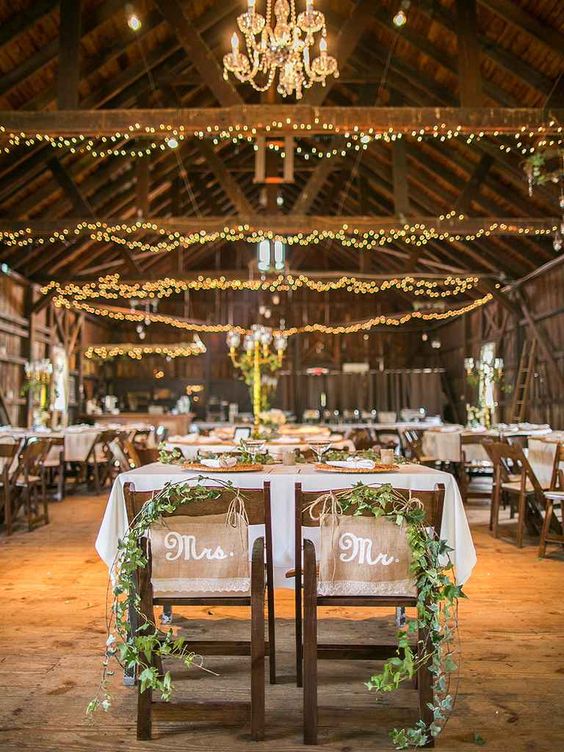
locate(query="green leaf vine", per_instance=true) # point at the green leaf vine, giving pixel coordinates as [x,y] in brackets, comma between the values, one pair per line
[139,650]
[436,612]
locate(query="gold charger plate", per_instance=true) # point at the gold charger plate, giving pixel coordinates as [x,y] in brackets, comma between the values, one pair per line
[248,468]
[323,468]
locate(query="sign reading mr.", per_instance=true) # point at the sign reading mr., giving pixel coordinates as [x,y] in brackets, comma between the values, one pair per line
[363,556]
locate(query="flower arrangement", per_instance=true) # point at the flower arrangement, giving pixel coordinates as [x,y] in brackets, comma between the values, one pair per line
[272,417]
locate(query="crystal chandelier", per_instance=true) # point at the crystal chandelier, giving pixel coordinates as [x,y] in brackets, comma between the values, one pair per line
[284,45]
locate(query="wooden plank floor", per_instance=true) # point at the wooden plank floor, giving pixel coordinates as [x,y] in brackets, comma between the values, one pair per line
[510,692]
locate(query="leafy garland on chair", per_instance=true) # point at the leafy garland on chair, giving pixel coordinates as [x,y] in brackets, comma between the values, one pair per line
[437,601]
[136,651]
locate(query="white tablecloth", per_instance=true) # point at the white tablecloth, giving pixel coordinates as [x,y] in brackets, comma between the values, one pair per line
[454,528]
[443,444]
[541,458]
[77,441]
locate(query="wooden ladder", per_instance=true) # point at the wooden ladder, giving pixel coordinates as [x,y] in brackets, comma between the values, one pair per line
[523,380]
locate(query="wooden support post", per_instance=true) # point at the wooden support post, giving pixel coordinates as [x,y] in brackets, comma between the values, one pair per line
[142,177]
[69,54]
[470,82]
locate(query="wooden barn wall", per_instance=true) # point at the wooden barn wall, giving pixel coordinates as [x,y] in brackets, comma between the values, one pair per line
[464,338]
[20,342]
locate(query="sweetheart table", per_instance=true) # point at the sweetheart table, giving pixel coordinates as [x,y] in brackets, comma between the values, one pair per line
[454,528]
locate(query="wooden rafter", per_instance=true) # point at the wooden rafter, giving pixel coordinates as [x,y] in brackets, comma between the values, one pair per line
[310,120]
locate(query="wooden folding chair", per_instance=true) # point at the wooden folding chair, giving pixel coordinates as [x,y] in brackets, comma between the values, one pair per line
[515,478]
[413,448]
[29,481]
[553,528]
[308,652]
[470,468]
[8,453]
[55,466]
[257,506]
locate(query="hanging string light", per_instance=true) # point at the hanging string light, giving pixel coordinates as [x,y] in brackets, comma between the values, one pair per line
[137,351]
[112,287]
[359,326]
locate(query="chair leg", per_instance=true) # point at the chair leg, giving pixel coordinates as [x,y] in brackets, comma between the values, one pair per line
[545,528]
[425,686]
[310,645]
[271,623]
[522,511]
[463,483]
[299,630]
[45,500]
[258,647]
[144,717]
[28,506]
[494,518]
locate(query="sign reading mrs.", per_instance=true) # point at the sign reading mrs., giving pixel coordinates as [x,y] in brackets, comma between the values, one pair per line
[186,547]
[199,554]
[363,556]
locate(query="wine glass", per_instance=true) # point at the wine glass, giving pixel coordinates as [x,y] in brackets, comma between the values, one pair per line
[253,447]
[319,447]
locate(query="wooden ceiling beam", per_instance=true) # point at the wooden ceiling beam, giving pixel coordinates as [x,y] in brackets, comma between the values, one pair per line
[292,223]
[472,187]
[310,120]
[68,75]
[470,81]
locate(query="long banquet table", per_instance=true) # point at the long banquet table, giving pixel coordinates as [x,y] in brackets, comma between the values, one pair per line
[454,528]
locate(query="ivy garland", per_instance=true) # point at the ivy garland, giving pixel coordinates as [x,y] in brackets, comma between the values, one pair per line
[437,601]
[436,605]
[136,651]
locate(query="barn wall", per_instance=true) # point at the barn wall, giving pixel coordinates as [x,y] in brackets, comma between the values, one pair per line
[493,323]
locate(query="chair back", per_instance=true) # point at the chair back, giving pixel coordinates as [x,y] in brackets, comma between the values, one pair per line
[32,456]
[557,478]
[474,439]
[209,573]
[7,454]
[335,575]
[119,455]
[413,444]
[509,459]
[161,434]
[362,438]
[132,453]
[148,455]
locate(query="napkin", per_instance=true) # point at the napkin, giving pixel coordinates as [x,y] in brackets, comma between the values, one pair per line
[216,462]
[353,463]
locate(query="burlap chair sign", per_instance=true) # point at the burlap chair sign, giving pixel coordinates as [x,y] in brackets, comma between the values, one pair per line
[207,553]
[363,556]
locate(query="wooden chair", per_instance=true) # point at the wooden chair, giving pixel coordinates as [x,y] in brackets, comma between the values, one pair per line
[55,466]
[148,455]
[362,438]
[413,448]
[470,468]
[552,528]
[8,453]
[309,652]
[515,478]
[257,505]
[29,481]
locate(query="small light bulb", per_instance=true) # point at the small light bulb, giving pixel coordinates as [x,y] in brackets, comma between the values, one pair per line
[171,142]
[134,22]
[400,19]
[323,45]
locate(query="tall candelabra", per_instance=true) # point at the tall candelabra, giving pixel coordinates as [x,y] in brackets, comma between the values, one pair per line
[257,353]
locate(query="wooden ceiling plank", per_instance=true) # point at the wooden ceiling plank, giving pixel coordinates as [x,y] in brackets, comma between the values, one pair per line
[200,54]
[526,22]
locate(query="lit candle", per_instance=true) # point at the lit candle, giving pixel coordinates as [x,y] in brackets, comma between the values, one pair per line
[235,44]
[309,6]
[251,6]
[323,45]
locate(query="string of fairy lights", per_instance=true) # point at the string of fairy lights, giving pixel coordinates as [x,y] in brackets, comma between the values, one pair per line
[417,233]
[112,287]
[138,351]
[140,141]
[359,326]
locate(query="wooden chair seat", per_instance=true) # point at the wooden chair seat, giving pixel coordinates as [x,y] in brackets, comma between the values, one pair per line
[515,486]
[555,496]
[21,480]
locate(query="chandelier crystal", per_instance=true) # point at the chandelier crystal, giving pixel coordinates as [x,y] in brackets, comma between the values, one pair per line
[284,45]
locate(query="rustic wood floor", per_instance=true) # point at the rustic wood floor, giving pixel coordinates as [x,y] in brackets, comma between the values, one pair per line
[510,692]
